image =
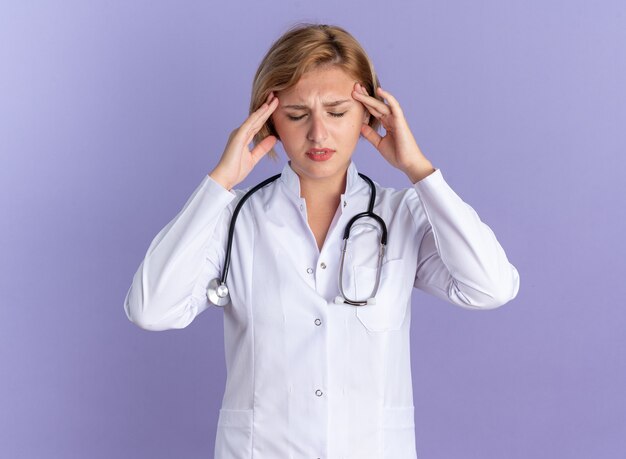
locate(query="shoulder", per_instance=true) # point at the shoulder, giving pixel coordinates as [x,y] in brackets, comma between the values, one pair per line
[265,193]
[397,196]
[400,203]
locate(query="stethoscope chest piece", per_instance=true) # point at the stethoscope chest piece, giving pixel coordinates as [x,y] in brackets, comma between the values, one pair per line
[217,292]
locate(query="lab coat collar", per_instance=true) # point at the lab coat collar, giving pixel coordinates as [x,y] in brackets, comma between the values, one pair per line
[292,182]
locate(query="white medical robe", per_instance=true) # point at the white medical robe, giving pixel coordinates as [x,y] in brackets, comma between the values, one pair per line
[308,378]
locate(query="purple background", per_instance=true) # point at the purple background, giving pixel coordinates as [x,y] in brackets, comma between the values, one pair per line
[112,112]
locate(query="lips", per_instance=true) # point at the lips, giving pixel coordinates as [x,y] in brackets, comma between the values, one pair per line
[319,154]
[319,151]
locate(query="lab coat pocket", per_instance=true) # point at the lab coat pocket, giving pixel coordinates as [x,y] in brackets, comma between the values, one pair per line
[234,434]
[398,433]
[391,299]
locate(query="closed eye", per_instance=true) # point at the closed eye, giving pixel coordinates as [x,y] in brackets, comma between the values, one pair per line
[296,118]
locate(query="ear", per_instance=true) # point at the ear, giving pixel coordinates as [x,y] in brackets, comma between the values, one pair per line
[366,116]
[272,129]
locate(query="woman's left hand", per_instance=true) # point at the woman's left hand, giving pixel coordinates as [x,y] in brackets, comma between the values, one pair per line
[398,146]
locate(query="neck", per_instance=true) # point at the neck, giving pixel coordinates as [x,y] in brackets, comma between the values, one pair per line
[327,190]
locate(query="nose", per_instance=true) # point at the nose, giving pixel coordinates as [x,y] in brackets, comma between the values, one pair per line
[317,129]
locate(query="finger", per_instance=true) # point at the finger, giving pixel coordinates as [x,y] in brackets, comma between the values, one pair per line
[256,121]
[375,113]
[263,115]
[395,105]
[255,128]
[262,148]
[265,110]
[361,94]
[360,97]
[379,108]
[371,135]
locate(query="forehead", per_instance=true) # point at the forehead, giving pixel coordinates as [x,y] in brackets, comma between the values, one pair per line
[323,83]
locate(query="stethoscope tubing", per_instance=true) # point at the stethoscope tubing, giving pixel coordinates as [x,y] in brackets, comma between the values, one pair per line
[231,228]
[218,292]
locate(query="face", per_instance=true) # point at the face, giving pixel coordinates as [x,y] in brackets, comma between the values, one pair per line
[319,113]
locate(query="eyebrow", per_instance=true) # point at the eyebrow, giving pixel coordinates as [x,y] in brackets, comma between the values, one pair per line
[334,103]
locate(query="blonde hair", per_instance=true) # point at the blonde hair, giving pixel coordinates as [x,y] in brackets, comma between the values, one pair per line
[306,47]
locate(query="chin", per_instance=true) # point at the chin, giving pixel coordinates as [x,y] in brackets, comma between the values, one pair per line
[324,171]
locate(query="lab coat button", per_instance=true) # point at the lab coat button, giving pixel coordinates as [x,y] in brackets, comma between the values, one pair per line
[301,207]
[318,393]
[309,270]
[318,322]
[323,265]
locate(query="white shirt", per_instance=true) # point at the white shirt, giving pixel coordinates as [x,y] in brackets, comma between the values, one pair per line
[308,378]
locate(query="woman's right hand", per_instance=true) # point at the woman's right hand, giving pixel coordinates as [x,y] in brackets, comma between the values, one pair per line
[237,161]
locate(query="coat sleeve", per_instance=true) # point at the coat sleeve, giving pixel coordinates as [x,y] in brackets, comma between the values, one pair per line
[169,287]
[459,258]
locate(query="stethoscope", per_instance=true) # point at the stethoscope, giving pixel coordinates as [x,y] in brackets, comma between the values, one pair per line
[217,291]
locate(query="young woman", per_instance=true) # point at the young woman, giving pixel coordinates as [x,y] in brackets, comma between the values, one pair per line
[316,326]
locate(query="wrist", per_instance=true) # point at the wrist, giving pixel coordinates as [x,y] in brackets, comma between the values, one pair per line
[420,171]
[218,177]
